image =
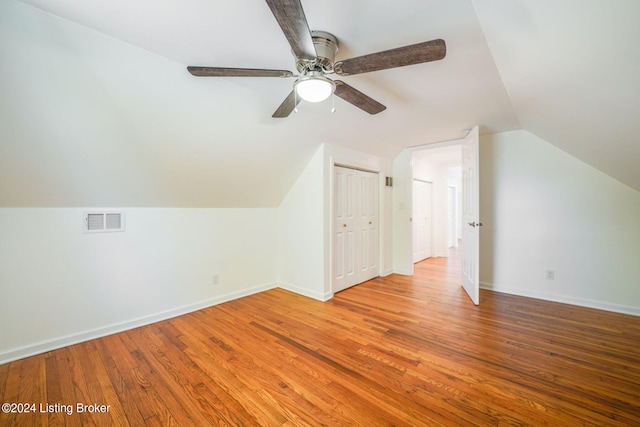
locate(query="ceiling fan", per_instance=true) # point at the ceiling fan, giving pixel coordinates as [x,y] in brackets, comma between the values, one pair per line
[315,53]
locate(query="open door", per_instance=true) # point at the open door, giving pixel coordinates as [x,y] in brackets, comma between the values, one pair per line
[471,216]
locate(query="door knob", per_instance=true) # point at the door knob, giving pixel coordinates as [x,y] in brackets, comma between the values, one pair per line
[344,225]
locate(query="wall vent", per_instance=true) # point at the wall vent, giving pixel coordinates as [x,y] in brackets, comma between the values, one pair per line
[105,221]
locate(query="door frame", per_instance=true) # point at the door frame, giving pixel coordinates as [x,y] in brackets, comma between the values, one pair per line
[403,205]
[452,215]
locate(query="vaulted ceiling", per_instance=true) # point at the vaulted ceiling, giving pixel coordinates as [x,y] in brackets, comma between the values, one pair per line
[97,108]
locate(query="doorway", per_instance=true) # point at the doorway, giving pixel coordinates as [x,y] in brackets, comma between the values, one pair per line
[440,167]
[426,163]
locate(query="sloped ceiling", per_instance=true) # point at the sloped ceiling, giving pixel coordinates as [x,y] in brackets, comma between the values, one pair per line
[572,72]
[97,108]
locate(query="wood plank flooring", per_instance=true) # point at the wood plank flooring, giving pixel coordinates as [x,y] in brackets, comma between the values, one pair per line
[403,351]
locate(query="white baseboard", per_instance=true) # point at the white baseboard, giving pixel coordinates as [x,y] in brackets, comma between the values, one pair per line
[53,344]
[64,341]
[306,292]
[600,305]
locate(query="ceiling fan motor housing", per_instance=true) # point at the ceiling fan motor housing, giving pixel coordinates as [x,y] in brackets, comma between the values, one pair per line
[326,45]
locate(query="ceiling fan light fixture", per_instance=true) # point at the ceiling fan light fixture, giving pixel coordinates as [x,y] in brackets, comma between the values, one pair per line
[314,87]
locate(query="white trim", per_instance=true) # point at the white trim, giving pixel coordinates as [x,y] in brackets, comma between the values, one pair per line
[56,343]
[306,292]
[387,272]
[440,144]
[355,168]
[582,302]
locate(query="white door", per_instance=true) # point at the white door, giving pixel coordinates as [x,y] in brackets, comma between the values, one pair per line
[355,239]
[344,249]
[470,216]
[368,226]
[422,223]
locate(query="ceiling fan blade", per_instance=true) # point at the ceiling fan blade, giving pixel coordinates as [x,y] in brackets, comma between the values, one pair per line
[237,72]
[402,56]
[287,106]
[357,98]
[290,16]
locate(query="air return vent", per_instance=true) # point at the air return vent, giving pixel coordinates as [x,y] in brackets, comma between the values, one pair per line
[105,221]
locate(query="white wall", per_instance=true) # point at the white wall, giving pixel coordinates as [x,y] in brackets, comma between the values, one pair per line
[543,209]
[61,286]
[301,233]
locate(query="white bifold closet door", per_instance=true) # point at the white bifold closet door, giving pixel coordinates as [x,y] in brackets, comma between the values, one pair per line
[355,237]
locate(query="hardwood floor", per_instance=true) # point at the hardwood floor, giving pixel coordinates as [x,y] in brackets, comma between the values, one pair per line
[403,351]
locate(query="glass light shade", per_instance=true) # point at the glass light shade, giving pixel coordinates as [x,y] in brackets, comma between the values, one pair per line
[314,87]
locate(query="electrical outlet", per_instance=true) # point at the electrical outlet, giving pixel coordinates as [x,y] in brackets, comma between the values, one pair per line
[216,279]
[551,274]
